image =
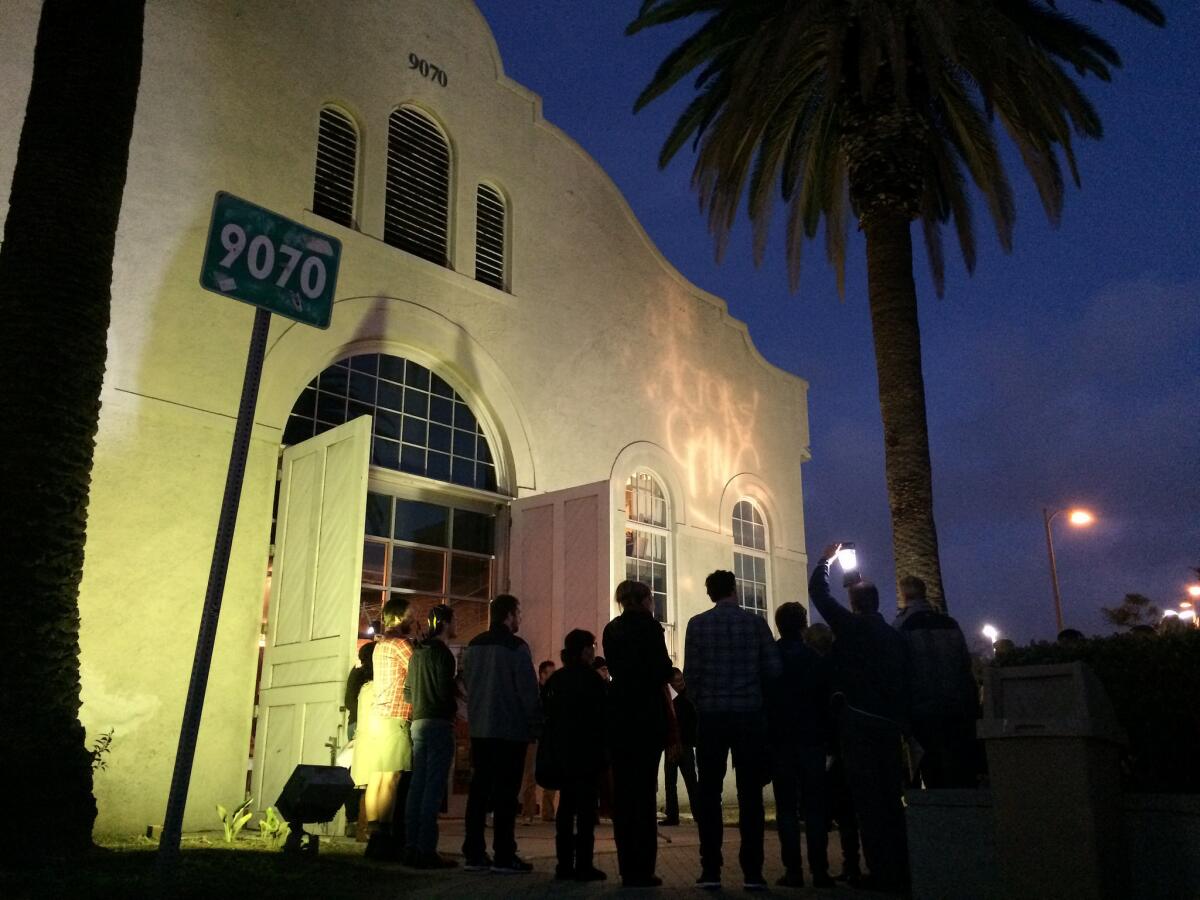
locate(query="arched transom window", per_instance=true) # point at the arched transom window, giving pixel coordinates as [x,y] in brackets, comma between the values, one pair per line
[420,424]
[648,537]
[750,556]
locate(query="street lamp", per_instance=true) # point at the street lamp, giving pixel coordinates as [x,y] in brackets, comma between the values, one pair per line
[990,632]
[1194,591]
[1077,517]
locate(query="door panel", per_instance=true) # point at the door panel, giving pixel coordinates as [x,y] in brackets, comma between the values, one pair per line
[312,616]
[560,564]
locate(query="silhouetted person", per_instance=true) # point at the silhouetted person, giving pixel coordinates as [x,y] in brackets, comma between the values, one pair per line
[685,716]
[800,739]
[359,675]
[943,696]
[600,664]
[504,712]
[390,738]
[641,722]
[819,636]
[729,663]
[529,787]
[431,689]
[571,755]
[871,677]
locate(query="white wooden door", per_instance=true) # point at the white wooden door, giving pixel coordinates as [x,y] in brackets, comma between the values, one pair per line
[312,618]
[560,563]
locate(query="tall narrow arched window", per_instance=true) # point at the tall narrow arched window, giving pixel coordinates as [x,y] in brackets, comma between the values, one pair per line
[648,537]
[750,556]
[337,167]
[416,215]
[490,223]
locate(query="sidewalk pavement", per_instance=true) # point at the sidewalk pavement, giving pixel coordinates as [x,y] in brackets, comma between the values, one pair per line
[678,867]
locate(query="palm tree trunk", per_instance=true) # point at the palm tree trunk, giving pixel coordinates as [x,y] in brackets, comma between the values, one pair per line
[893,300]
[55,293]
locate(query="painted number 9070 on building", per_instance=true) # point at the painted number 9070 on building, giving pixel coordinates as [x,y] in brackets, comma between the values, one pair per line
[269,261]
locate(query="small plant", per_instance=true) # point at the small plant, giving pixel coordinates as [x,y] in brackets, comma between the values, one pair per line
[274,830]
[234,821]
[100,748]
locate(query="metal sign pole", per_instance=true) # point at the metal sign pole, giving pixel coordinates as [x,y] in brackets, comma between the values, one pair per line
[168,847]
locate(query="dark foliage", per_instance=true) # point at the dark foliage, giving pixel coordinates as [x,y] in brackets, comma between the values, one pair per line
[1151,680]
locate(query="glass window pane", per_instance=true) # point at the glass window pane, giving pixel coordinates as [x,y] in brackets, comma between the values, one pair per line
[379,514]
[414,569]
[333,381]
[485,477]
[370,610]
[412,459]
[464,443]
[355,410]
[365,362]
[374,562]
[474,532]
[331,408]
[462,471]
[440,387]
[416,403]
[391,396]
[306,406]
[441,410]
[297,430]
[416,431]
[385,453]
[463,417]
[439,438]
[362,388]
[391,368]
[470,577]
[421,523]
[387,424]
[438,466]
[416,376]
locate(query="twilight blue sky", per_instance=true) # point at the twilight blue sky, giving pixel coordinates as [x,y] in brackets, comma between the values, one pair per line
[1067,372]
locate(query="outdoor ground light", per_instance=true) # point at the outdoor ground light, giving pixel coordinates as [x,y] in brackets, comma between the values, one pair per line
[990,632]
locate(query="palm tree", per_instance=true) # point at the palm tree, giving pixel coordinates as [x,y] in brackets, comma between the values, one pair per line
[882,109]
[55,285]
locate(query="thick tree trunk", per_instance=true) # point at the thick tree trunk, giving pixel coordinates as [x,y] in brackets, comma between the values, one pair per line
[893,299]
[55,293]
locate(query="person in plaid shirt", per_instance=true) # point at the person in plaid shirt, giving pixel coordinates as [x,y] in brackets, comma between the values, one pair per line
[729,662]
[389,742]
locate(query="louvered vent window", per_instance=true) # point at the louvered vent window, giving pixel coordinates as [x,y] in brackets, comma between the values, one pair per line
[337,160]
[417,200]
[489,237]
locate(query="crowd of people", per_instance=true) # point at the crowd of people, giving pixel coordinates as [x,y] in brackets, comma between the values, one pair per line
[838,718]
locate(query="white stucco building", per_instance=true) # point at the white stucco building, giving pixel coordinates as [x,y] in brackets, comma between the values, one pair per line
[517,391]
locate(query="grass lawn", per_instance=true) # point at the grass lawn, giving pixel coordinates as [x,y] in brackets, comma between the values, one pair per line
[210,868]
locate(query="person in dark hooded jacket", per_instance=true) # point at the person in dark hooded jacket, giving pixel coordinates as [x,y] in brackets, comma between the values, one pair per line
[571,754]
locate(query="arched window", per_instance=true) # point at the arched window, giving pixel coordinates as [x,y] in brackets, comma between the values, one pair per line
[416,211]
[490,222]
[648,537]
[337,167]
[750,556]
[420,424]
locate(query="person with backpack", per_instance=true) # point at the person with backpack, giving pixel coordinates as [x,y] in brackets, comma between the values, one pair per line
[943,695]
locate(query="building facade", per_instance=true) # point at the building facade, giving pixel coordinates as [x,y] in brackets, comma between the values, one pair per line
[517,391]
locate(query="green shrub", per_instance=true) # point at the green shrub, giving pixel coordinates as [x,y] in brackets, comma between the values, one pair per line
[274,830]
[1151,680]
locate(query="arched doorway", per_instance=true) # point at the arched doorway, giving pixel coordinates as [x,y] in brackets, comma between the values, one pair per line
[387,486]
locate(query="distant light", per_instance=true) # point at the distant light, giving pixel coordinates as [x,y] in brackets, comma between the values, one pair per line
[1081,517]
[990,632]
[1194,591]
[1170,613]
[1188,614]
[1185,605]
[370,629]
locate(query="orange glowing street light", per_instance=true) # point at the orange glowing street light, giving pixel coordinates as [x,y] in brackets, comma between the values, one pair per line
[1080,518]
[1194,591]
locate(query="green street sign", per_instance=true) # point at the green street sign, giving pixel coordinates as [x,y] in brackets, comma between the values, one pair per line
[268,261]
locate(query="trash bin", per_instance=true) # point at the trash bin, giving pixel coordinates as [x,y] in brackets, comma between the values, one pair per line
[1053,745]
